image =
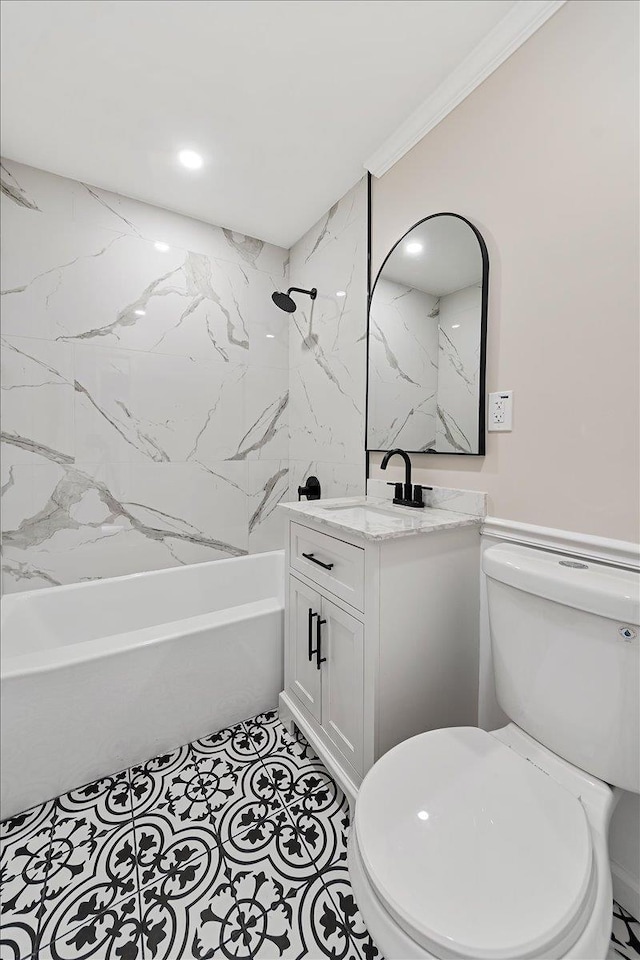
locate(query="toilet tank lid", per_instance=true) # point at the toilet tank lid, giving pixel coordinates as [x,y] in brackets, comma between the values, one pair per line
[583,584]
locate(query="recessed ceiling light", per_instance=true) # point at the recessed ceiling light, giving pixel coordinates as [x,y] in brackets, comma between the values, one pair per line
[341,293]
[454,326]
[190,159]
[423,815]
[271,336]
[139,313]
[413,247]
[161,246]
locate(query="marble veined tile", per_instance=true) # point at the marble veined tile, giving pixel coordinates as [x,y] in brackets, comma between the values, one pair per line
[134,406]
[327,396]
[37,395]
[34,191]
[325,327]
[268,485]
[65,523]
[39,191]
[336,479]
[317,245]
[75,282]
[266,433]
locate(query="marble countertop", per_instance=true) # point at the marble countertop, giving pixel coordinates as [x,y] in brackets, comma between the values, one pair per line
[376,519]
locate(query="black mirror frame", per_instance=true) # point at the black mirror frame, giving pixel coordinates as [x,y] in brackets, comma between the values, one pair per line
[483,336]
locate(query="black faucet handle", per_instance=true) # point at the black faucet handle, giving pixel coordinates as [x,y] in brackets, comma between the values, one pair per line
[397,495]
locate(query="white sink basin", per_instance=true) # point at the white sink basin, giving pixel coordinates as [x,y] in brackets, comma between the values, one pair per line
[369,516]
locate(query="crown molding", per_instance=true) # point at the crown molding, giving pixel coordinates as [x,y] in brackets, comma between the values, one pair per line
[511,32]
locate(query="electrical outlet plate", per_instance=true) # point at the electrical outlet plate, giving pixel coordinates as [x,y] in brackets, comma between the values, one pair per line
[500,414]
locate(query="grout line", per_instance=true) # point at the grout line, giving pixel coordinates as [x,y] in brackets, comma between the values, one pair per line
[45,885]
[135,854]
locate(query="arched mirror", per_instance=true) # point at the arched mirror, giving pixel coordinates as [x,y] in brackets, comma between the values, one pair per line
[427,341]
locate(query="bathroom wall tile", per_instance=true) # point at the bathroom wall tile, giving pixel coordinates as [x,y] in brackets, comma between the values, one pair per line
[318,244]
[28,483]
[34,191]
[86,521]
[132,406]
[327,352]
[324,327]
[336,479]
[37,395]
[331,322]
[266,415]
[37,191]
[80,283]
[327,395]
[268,485]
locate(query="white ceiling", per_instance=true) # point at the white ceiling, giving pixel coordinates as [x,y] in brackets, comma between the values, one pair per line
[284,98]
[450,258]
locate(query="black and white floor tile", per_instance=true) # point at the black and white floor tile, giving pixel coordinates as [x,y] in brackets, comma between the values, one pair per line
[229,848]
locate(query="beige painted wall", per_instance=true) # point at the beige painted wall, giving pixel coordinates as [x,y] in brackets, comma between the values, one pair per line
[542,157]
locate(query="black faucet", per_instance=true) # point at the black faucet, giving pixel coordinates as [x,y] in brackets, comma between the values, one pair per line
[412,495]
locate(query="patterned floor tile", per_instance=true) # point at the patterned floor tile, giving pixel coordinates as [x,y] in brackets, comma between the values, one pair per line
[231,847]
[170,784]
[283,904]
[24,862]
[625,937]
[234,742]
[190,911]
[322,819]
[106,802]
[24,824]
[237,791]
[92,873]
[113,934]
[270,738]
[292,765]
[161,847]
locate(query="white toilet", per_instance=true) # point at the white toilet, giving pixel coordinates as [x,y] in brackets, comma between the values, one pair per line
[494,845]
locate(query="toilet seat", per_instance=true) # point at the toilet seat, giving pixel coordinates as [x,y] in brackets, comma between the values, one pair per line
[473,850]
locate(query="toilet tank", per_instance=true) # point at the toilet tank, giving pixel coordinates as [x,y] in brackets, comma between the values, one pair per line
[564,639]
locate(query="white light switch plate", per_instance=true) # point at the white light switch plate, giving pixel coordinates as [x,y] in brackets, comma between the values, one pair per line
[500,415]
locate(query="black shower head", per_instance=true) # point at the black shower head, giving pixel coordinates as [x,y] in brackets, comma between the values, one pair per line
[287,303]
[284,301]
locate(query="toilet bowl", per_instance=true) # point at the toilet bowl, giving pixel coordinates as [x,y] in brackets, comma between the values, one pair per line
[493,846]
[482,845]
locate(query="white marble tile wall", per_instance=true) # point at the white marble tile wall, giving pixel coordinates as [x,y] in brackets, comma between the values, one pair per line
[459,371]
[145,387]
[403,368]
[327,350]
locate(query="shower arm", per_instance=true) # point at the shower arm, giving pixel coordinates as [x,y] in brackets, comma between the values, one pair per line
[313,293]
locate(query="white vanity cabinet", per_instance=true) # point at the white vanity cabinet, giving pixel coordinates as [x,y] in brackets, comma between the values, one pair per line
[381,633]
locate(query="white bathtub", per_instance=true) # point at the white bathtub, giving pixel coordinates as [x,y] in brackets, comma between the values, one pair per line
[97,676]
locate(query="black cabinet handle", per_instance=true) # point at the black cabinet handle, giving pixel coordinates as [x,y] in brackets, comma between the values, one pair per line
[310,556]
[309,635]
[319,659]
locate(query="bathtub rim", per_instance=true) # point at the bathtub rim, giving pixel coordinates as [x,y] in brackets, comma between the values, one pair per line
[58,658]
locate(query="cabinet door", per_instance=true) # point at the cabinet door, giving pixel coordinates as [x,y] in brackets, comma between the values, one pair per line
[343,684]
[305,677]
